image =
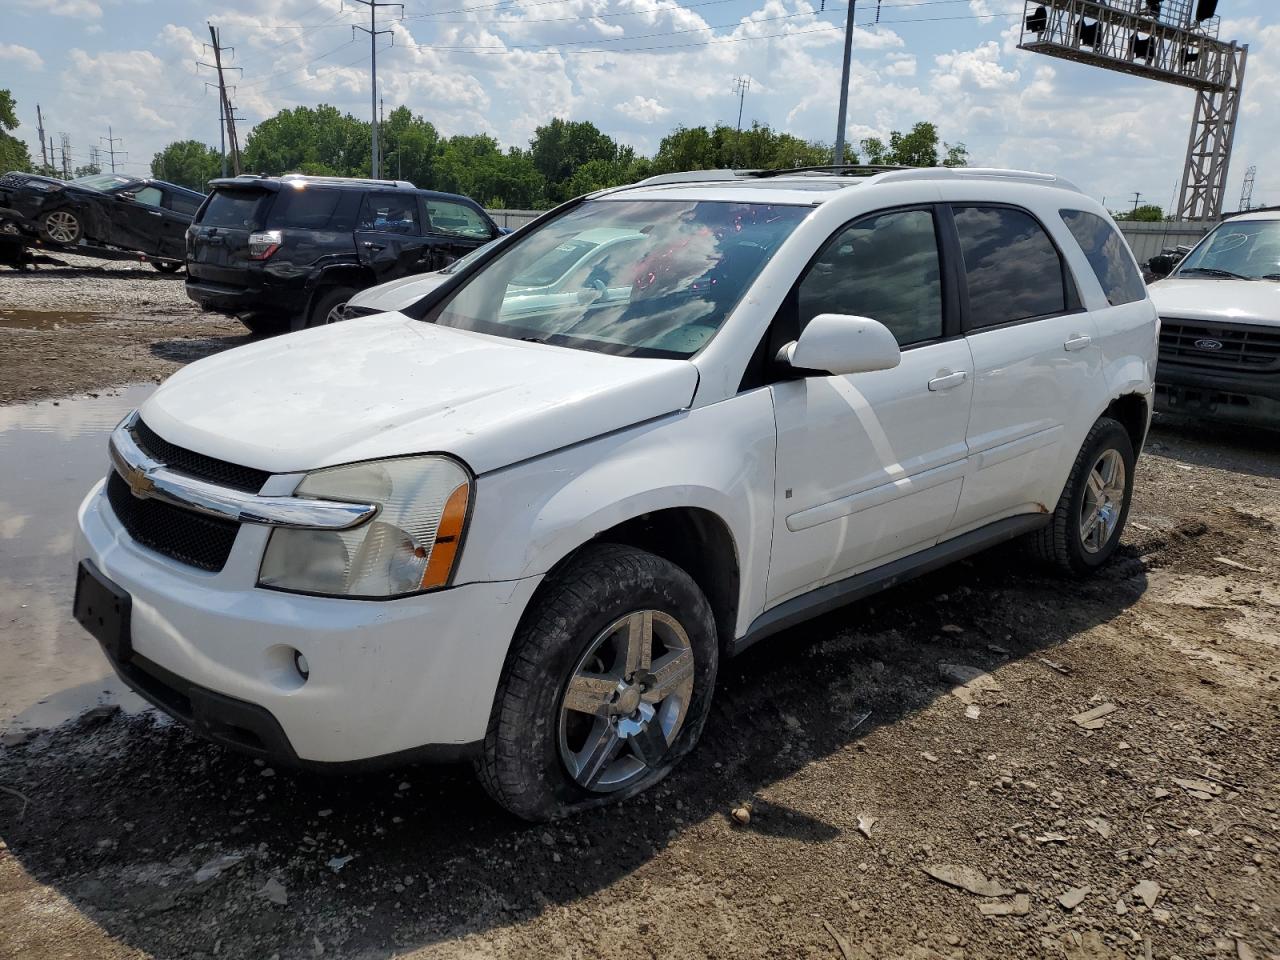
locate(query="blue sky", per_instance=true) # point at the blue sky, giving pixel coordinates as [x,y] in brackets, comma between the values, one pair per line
[636,68]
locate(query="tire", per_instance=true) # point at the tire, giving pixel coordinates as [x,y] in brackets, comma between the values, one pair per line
[265,326]
[533,736]
[61,226]
[168,266]
[325,303]
[1063,542]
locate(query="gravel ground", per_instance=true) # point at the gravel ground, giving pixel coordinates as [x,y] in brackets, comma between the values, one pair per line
[92,324]
[922,737]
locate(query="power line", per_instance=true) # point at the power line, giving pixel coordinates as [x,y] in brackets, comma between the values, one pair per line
[226,112]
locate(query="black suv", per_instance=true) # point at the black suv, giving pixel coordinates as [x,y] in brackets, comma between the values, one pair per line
[288,252]
[146,216]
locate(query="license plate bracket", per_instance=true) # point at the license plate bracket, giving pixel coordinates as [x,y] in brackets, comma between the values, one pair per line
[105,610]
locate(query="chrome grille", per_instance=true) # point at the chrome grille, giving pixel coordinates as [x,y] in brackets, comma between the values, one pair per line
[1219,346]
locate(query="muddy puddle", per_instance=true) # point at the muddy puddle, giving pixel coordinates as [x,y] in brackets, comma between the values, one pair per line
[45,319]
[51,453]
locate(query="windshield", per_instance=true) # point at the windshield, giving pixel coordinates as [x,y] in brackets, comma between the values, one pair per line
[664,293]
[102,181]
[1245,249]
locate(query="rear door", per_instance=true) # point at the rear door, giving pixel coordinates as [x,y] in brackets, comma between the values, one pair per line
[1036,362]
[219,247]
[389,235]
[455,229]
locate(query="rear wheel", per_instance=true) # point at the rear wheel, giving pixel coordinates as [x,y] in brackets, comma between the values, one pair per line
[168,266]
[1091,513]
[60,226]
[607,685]
[327,306]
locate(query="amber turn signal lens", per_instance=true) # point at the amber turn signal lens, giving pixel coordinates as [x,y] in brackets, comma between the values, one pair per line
[448,538]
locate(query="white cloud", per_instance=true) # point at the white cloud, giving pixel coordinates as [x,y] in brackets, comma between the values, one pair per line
[900,65]
[643,109]
[982,10]
[85,9]
[24,57]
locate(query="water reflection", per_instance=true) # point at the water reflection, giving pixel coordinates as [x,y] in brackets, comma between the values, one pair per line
[50,454]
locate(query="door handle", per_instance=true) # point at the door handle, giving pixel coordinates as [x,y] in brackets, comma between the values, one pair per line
[155,213]
[375,247]
[948,381]
[1077,342]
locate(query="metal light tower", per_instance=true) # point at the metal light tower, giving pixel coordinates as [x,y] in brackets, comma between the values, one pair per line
[1173,41]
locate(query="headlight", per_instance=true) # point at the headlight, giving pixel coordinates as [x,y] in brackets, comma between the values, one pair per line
[410,545]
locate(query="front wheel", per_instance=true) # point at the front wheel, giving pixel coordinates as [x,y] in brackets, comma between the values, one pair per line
[61,226]
[1090,516]
[607,685]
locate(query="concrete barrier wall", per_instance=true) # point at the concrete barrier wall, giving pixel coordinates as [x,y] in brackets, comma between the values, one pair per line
[1145,239]
[1148,239]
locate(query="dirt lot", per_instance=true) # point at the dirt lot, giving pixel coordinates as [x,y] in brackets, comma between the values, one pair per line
[93,324]
[869,771]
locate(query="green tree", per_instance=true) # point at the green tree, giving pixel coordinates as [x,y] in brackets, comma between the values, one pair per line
[13,152]
[759,147]
[188,163]
[562,147]
[1146,213]
[916,148]
[88,170]
[410,147]
[319,140]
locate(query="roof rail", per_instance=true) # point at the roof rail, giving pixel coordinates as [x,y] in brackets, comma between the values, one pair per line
[837,169]
[369,180]
[975,173]
[692,176]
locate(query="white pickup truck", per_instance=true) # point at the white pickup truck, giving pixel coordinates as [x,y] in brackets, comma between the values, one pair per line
[529,536]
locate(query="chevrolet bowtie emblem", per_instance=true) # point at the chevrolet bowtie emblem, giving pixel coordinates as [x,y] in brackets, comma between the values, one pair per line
[139,482]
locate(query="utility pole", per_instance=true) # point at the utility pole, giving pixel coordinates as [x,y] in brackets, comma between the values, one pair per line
[740,86]
[844,85]
[1246,191]
[44,154]
[375,161]
[1137,199]
[66,155]
[226,113]
[111,140]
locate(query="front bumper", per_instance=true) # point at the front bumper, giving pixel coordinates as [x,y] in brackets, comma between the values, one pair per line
[1247,398]
[387,680]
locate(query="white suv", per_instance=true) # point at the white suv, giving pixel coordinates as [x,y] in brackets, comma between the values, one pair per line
[528,536]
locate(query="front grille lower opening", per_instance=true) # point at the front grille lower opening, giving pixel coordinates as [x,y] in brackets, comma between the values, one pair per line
[182,535]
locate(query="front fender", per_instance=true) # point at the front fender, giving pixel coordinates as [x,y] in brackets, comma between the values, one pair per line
[530,516]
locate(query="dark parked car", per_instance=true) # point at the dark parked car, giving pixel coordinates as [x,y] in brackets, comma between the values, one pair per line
[288,252]
[146,216]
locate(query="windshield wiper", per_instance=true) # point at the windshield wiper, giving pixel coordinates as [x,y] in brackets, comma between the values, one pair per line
[1270,276]
[1215,272]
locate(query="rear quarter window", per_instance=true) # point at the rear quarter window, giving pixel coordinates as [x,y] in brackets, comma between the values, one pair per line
[1108,254]
[309,209]
[240,209]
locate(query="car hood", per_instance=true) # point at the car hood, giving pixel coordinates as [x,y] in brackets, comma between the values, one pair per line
[1206,298]
[387,386]
[398,294]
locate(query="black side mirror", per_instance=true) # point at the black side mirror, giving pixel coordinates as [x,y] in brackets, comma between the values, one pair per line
[127,195]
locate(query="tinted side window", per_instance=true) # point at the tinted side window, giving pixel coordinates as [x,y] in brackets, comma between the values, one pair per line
[307,209]
[390,213]
[885,267]
[1013,268]
[457,219]
[1109,256]
[182,203]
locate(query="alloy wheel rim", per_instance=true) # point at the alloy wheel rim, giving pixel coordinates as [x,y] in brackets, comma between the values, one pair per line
[1103,501]
[336,315]
[626,700]
[62,227]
